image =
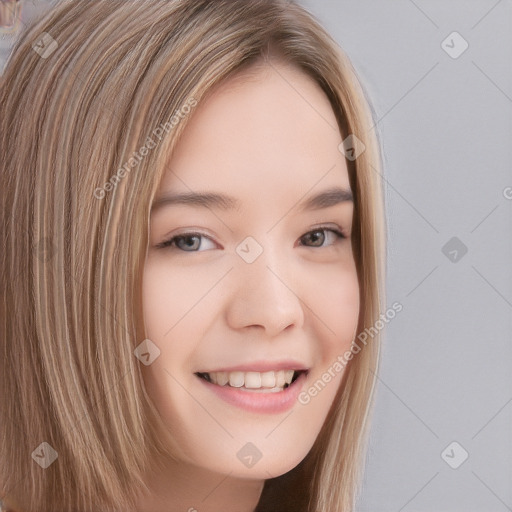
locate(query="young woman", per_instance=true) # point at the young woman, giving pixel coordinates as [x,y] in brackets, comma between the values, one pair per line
[194,243]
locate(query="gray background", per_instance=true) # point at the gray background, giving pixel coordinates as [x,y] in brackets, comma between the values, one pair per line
[446,129]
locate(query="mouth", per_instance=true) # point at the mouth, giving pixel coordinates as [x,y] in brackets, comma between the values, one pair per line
[271,381]
[267,392]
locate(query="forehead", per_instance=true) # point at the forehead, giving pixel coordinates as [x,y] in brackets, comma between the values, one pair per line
[269,135]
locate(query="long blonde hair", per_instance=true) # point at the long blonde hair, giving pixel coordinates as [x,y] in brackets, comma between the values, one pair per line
[83,90]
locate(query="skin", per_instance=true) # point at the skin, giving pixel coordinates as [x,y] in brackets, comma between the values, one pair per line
[271,141]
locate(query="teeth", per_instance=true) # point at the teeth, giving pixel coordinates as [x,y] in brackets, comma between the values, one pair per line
[253,380]
[268,380]
[236,379]
[221,378]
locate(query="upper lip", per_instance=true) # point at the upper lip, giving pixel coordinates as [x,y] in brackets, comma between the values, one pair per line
[261,366]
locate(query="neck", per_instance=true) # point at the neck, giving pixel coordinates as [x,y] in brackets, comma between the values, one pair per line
[182,487]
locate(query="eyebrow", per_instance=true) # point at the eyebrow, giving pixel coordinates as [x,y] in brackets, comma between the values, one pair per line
[324,199]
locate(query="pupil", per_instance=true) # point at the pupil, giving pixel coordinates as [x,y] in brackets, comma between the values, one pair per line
[317,236]
[190,242]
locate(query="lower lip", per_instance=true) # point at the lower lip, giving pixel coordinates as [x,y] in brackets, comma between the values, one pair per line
[268,403]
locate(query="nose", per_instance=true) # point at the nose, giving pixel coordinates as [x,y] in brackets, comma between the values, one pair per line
[264,296]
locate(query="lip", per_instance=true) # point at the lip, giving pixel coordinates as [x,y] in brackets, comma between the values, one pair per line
[260,366]
[262,403]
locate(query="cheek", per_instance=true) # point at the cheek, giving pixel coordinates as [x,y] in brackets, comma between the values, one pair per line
[336,309]
[173,317]
[168,300]
[178,310]
[166,297]
[342,306]
[174,297]
[335,304]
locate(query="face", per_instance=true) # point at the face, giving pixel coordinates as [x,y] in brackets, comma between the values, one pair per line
[251,286]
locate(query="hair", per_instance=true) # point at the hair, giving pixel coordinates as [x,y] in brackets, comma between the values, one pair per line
[71,271]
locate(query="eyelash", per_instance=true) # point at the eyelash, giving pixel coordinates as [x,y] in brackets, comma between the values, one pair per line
[169,243]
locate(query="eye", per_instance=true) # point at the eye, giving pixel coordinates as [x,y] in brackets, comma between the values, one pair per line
[318,236]
[187,242]
[195,242]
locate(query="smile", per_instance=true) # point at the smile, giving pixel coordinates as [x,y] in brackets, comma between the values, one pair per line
[270,381]
[269,392]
